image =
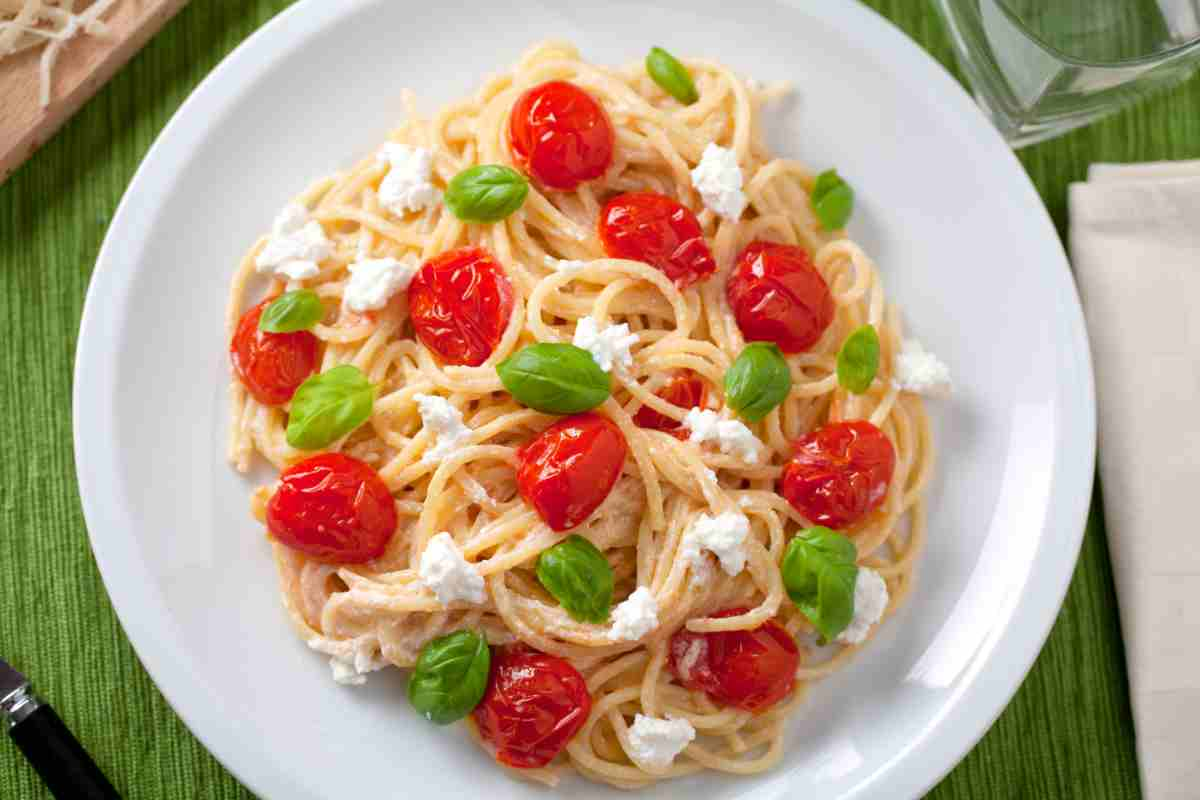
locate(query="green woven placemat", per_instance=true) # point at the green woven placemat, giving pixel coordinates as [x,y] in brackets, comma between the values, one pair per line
[1068,733]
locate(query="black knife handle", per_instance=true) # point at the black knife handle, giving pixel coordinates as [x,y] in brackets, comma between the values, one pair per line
[65,767]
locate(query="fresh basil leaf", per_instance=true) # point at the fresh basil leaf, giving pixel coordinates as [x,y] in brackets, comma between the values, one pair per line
[758,381]
[671,75]
[555,378]
[291,312]
[486,193]
[858,360]
[450,677]
[819,572]
[579,577]
[329,405]
[832,200]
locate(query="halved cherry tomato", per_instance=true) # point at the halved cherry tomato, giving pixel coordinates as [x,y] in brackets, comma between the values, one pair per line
[686,390]
[568,469]
[839,473]
[778,296]
[271,365]
[752,670]
[533,705]
[334,508]
[560,135]
[650,227]
[460,303]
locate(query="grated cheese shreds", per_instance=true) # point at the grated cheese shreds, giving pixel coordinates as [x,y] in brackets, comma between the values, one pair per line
[25,24]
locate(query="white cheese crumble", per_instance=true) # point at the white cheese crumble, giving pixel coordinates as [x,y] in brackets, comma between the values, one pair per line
[566,265]
[447,574]
[718,179]
[295,246]
[918,370]
[635,617]
[609,346]
[374,281]
[723,535]
[351,659]
[870,601]
[406,187]
[730,435]
[445,422]
[654,742]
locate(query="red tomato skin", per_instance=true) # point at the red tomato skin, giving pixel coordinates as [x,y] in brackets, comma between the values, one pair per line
[271,365]
[839,473]
[333,508]
[460,303]
[567,470]
[560,135]
[534,704]
[752,670]
[686,390]
[654,228]
[778,296]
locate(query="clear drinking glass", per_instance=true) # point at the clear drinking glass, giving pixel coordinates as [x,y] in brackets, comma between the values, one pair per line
[1042,67]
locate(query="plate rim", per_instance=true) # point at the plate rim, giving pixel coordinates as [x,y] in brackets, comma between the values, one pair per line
[1022,635]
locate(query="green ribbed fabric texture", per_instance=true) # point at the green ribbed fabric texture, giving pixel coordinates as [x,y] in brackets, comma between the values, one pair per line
[1068,733]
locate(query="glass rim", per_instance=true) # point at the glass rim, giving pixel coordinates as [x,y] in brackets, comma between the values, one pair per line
[1149,59]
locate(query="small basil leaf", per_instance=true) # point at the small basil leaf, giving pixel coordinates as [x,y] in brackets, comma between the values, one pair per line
[671,75]
[450,677]
[819,572]
[579,577]
[555,378]
[291,312]
[486,193]
[758,381]
[328,406]
[858,360]
[832,200]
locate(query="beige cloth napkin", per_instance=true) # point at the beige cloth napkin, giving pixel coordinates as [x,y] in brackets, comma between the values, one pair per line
[1135,243]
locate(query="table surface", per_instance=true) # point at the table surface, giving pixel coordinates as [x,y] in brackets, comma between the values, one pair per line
[1068,732]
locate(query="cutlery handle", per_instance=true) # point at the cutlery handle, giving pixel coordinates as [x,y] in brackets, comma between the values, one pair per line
[65,767]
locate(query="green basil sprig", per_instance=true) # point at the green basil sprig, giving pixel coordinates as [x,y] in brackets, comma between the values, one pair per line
[671,75]
[758,381]
[486,193]
[555,378]
[819,572]
[450,677]
[329,405]
[291,312]
[858,360]
[832,199]
[579,577]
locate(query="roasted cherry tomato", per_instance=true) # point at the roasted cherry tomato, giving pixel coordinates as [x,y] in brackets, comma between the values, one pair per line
[533,705]
[271,365]
[839,473]
[569,468]
[560,135]
[686,390]
[460,303]
[644,226]
[751,670]
[778,296]
[334,508]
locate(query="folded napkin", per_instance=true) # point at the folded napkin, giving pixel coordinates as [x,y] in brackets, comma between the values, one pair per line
[1135,243]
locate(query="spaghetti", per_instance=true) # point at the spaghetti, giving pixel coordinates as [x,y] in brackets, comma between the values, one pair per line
[50,24]
[372,615]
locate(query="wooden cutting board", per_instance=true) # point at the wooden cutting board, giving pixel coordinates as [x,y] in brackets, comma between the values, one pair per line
[84,65]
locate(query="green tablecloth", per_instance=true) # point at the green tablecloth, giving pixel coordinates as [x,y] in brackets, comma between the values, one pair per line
[1067,734]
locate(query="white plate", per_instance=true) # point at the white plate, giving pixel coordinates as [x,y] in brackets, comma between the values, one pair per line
[963,242]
